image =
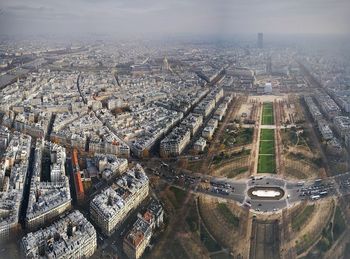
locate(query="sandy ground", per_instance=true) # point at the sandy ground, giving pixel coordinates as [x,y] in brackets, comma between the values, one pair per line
[309,170]
[268,98]
[289,111]
[245,108]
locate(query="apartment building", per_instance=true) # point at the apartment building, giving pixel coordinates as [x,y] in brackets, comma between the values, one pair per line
[109,208]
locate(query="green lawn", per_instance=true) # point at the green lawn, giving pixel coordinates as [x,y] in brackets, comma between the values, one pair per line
[267,134]
[267,164]
[267,147]
[300,219]
[267,120]
[240,137]
[267,114]
[245,136]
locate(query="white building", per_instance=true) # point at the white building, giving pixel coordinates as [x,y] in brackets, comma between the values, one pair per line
[193,122]
[268,88]
[109,208]
[342,125]
[71,237]
[200,144]
[175,142]
[139,237]
[13,173]
[48,198]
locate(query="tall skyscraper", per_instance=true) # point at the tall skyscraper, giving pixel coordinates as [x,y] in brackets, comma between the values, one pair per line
[260,40]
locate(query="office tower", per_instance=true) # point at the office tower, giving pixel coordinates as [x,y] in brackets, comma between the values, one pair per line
[260,40]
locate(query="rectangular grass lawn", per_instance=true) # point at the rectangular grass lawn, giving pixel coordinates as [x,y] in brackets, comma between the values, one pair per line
[267,147]
[267,134]
[267,114]
[267,164]
[267,105]
[267,159]
[267,120]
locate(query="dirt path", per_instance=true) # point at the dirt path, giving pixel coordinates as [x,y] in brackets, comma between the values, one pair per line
[256,141]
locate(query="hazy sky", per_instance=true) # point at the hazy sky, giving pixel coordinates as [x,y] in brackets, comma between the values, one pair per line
[167,17]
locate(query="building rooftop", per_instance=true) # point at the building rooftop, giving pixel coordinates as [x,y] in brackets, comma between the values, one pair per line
[64,235]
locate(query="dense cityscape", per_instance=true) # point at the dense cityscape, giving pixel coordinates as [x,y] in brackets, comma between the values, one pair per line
[234,146]
[90,145]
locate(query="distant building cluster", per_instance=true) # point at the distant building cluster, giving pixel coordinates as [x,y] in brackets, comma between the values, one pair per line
[143,128]
[342,127]
[88,133]
[218,115]
[313,109]
[323,125]
[332,74]
[207,105]
[342,98]
[328,105]
[179,138]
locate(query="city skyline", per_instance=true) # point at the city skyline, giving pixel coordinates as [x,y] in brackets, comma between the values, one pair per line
[145,129]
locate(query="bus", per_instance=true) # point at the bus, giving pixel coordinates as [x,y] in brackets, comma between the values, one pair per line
[315,197]
[324,193]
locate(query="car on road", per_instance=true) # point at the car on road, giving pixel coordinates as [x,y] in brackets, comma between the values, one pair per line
[247,205]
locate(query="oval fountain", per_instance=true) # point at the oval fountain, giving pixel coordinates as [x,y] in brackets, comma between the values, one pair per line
[266,193]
